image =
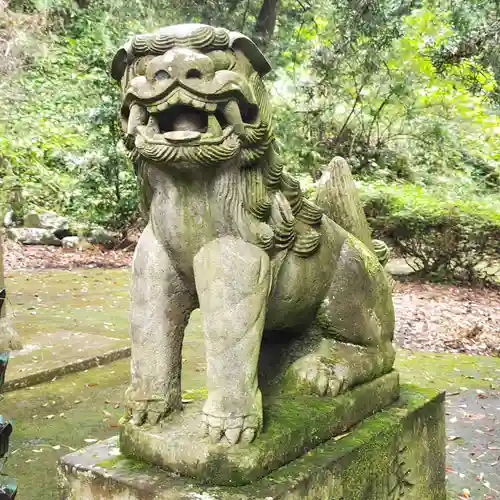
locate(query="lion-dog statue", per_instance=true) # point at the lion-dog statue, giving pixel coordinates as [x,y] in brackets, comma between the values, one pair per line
[231,233]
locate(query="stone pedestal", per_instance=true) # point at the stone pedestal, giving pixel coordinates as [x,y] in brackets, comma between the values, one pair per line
[293,424]
[398,452]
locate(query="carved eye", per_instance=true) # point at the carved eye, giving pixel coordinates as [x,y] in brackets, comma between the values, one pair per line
[161,75]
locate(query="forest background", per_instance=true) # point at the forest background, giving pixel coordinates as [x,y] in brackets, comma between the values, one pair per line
[406,90]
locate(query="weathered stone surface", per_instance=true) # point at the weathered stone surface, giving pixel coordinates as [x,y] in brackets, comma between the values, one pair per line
[231,231]
[33,236]
[337,195]
[396,453]
[101,236]
[73,242]
[57,224]
[9,339]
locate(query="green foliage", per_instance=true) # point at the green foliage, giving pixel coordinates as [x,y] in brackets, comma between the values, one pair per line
[446,238]
[59,145]
[375,98]
[406,91]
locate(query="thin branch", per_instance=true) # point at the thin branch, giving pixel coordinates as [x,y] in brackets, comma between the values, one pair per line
[244,21]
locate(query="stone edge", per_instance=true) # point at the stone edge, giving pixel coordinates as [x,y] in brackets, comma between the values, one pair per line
[73,367]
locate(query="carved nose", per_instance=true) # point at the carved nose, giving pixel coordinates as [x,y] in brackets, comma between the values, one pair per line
[185,64]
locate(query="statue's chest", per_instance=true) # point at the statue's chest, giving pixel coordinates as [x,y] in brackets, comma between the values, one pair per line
[181,221]
[184,219]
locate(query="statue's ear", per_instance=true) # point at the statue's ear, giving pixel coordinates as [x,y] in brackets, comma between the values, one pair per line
[119,64]
[258,60]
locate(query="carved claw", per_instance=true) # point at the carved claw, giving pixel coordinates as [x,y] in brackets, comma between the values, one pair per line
[230,430]
[311,374]
[141,410]
[248,435]
[138,417]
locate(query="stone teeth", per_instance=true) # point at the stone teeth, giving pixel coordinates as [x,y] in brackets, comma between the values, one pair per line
[214,127]
[182,98]
[231,112]
[138,116]
[209,106]
[163,106]
[153,125]
[195,103]
[174,99]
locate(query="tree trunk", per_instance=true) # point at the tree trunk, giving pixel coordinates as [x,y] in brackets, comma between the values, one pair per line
[338,196]
[266,21]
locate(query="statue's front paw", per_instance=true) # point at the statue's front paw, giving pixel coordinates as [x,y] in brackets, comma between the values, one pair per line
[141,408]
[231,422]
[231,430]
[313,375]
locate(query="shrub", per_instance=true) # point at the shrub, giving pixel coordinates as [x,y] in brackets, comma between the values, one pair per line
[439,237]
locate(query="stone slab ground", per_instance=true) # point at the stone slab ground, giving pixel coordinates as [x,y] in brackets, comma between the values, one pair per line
[66,319]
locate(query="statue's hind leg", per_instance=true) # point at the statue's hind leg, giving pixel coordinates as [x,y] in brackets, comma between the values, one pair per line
[357,321]
[160,308]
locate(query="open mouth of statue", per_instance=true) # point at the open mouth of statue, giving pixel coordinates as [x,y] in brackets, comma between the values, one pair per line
[190,121]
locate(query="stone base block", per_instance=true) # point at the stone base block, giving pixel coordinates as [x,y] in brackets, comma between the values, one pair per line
[293,424]
[397,453]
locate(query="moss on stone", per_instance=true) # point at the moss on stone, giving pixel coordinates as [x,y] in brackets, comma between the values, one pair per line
[370,462]
[370,261]
[446,371]
[195,394]
[293,424]
[110,463]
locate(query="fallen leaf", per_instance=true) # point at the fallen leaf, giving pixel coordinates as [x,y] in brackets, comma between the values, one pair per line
[340,436]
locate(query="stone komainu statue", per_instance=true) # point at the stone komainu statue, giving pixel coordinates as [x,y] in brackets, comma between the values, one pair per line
[289,299]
